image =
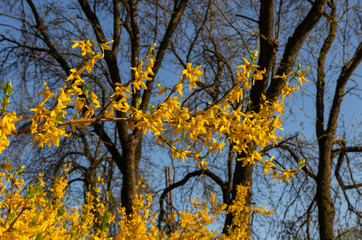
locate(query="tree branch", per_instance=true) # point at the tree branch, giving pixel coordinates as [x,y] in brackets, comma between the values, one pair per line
[171,27]
[294,44]
[321,72]
[345,150]
[251,19]
[98,31]
[296,159]
[42,29]
[346,73]
[268,50]
[343,186]
[182,182]
[116,27]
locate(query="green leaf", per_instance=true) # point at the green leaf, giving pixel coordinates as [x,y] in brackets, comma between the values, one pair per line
[301,163]
[9,86]
[4,87]
[32,191]
[74,234]
[12,215]
[59,117]
[153,47]
[152,108]
[105,223]
[60,211]
[38,236]
[86,89]
[253,55]
[138,103]
[299,67]
[20,169]
[7,99]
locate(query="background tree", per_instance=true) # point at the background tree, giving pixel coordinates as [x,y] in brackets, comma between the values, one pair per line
[329,181]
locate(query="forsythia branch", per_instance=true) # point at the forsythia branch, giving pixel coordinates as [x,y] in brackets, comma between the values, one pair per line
[202,125]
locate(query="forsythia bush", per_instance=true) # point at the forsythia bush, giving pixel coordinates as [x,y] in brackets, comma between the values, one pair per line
[40,215]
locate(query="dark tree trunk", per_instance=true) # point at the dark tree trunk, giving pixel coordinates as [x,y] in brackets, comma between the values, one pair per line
[132,143]
[326,209]
[242,176]
[129,180]
[324,196]
[326,139]
[268,50]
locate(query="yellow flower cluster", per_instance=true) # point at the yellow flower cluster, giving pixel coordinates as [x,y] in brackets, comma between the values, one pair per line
[40,215]
[207,126]
[34,215]
[192,223]
[6,127]
[238,230]
[141,76]
[217,119]
[45,122]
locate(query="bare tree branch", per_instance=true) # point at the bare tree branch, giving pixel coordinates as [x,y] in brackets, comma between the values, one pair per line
[42,29]
[188,176]
[294,44]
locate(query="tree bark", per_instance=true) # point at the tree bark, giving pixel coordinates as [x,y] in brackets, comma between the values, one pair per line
[326,209]
[129,180]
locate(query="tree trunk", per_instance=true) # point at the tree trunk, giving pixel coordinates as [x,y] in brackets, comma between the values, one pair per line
[326,210]
[242,176]
[130,160]
[326,141]
[268,49]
